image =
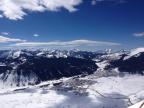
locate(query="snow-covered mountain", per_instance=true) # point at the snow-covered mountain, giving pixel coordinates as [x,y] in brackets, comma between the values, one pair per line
[71,79]
[132,62]
[24,67]
[28,67]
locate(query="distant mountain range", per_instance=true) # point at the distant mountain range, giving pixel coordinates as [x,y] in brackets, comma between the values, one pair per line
[28,67]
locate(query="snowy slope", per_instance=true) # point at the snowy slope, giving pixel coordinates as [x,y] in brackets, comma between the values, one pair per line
[134,52]
[87,92]
[138,105]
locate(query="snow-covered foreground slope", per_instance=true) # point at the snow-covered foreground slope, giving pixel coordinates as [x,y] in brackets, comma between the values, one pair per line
[138,105]
[87,92]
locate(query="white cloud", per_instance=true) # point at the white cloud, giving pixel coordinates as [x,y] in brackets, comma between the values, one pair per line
[1,16]
[93,2]
[139,34]
[17,9]
[36,35]
[4,33]
[66,43]
[6,39]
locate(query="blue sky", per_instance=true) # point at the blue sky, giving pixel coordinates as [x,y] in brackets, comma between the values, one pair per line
[85,24]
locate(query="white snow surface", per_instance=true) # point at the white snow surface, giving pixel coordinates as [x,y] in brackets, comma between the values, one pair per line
[138,105]
[104,92]
[16,54]
[134,52]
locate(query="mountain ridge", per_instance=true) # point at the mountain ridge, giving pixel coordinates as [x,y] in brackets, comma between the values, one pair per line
[28,67]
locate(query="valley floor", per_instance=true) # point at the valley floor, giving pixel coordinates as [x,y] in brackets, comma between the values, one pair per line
[87,92]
